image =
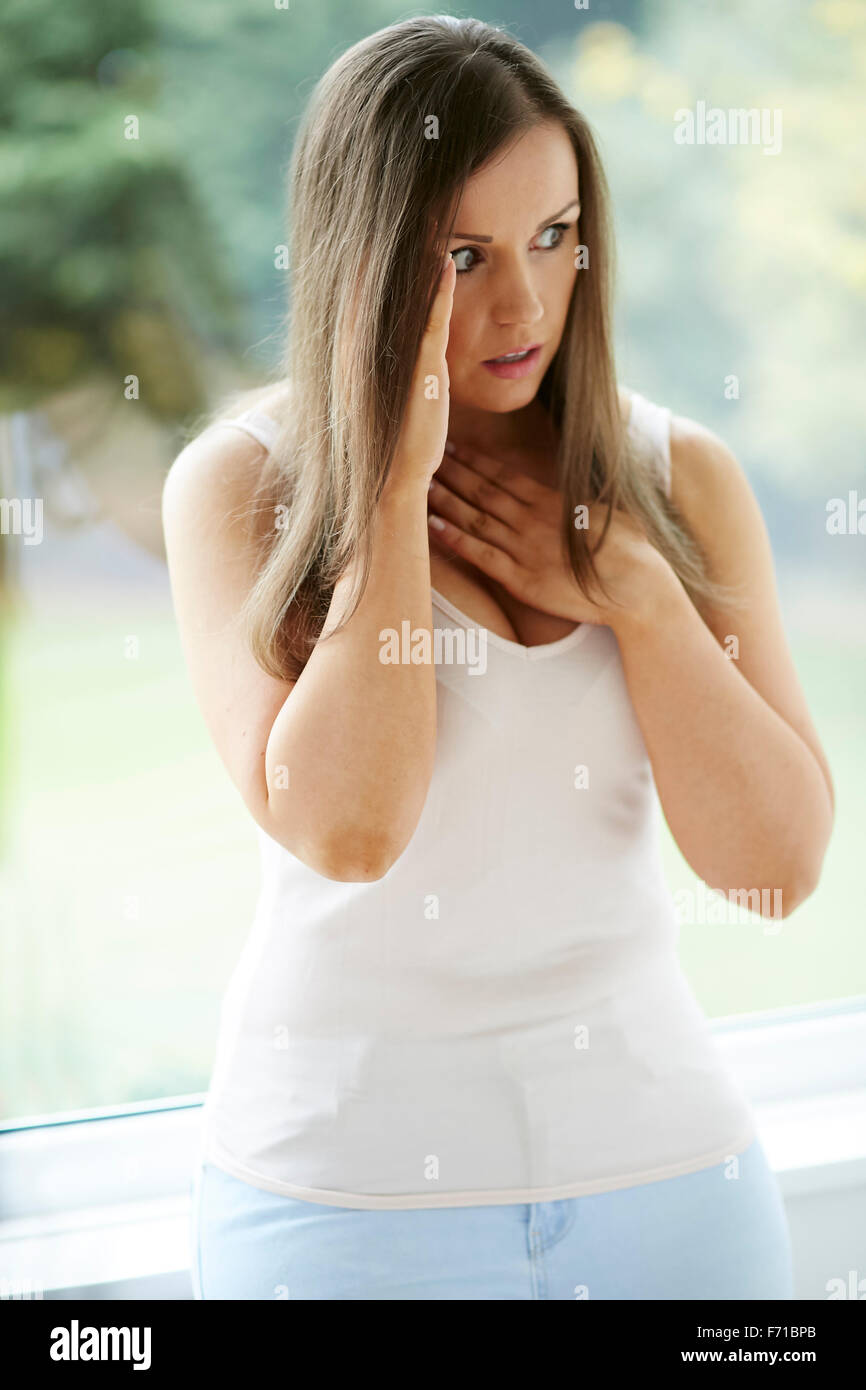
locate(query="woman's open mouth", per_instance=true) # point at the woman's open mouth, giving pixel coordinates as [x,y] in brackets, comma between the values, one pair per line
[514,364]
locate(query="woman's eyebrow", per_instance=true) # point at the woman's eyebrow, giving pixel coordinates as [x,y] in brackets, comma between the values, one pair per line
[476,236]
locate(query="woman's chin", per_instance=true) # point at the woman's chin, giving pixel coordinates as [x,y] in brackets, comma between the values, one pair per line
[497,396]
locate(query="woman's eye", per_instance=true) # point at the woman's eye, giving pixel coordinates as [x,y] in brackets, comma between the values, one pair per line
[558,228]
[463,251]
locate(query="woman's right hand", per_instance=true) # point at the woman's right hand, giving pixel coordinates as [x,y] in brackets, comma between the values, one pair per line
[425,424]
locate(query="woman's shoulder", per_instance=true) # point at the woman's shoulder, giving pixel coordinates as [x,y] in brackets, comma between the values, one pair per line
[220,465]
[274,400]
[698,469]
[212,477]
[705,473]
[648,427]
[259,413]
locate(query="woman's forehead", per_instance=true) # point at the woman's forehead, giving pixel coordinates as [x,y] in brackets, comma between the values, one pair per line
[538,168]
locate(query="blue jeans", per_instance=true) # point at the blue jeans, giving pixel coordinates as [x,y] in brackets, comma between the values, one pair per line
[701,1236]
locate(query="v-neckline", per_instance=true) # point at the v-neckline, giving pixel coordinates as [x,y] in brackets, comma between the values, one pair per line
[540,649]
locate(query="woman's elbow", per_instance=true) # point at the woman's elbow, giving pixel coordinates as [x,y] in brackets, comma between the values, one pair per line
[802,883]
[350,858]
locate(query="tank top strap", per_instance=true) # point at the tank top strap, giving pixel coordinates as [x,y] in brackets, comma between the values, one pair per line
[257,423]
[650,427]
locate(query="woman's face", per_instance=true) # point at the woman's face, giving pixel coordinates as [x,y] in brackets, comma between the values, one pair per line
[515,243]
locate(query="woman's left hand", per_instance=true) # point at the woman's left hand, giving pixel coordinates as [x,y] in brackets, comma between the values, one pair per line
[509,526]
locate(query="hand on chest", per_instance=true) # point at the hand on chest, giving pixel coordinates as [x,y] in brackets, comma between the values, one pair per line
[484,599]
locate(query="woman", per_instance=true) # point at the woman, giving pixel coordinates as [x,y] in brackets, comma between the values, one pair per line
[458,1057]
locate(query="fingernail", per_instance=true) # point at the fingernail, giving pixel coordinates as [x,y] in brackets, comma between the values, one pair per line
[449,446]
[436,521]
[431,484]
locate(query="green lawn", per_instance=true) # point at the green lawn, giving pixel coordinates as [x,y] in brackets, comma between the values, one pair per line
[130,869]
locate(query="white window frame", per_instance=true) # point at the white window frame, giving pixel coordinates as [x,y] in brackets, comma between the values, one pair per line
[100,1198]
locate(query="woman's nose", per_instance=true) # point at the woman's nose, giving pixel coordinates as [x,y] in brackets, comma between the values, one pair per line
[515,299]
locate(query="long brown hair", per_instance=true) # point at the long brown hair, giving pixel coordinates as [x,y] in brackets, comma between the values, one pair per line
[372,205]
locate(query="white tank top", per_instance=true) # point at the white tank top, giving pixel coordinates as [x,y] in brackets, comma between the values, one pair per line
[502,1017]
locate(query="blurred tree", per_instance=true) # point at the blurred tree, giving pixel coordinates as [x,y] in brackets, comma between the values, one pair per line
[109,268]
[107,260]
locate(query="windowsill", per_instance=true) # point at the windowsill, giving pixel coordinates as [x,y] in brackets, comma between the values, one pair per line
[816,1145]
[815,1140]
[94,1245]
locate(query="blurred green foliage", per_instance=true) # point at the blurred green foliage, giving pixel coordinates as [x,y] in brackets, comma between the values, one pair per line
[144,255]
[108,262]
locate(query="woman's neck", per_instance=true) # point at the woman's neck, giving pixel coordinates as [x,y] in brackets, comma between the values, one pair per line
[489,431]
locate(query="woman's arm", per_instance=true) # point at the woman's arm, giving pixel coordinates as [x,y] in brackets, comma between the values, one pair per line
[335,765]
[740,772]
[357,735]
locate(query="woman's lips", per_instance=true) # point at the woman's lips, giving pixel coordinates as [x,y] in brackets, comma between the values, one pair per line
[522,367]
